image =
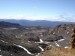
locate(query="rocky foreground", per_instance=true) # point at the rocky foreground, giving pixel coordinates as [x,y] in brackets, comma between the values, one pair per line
[59,51]
[34,40]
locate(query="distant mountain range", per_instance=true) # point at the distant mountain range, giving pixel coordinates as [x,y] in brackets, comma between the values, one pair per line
[36,23]
[7,24]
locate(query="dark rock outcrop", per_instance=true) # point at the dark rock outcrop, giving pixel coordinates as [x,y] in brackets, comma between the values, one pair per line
[73,39]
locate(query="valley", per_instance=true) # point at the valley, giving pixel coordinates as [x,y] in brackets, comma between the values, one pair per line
[32,40]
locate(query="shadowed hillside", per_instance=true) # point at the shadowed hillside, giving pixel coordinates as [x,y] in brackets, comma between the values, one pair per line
[7,24]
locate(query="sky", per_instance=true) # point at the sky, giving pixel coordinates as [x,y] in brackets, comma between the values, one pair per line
[52,10]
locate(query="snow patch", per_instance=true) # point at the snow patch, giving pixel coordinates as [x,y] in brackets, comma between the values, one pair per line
[38,54]
[61,40]
[66,47]
[41,41]
[29,41]
[67,32]
[54,33]
[1,55]
[3,41]
[25,49]
[57,44]
[41,48]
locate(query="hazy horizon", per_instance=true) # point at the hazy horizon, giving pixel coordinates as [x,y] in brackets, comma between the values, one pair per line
[51,10]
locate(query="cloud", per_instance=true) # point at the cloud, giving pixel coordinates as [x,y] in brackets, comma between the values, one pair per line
[29,17]
[32,17]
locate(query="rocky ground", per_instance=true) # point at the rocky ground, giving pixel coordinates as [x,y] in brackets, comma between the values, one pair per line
[60,51]
[31,41]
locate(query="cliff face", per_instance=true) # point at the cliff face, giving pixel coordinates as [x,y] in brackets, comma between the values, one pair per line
[58,51]
[73,40]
